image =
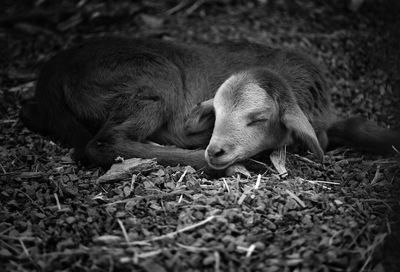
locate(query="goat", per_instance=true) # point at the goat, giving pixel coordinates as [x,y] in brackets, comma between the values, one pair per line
[264,108]
[109,96]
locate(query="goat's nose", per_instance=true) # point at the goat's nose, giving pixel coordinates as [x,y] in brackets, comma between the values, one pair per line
[215,151]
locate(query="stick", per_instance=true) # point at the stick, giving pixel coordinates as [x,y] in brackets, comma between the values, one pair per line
[193,249]
[217,258]
[242,198]
[121,225]
[226,185]
[172,234]
[376,176]
[296,198]
[257,182]
[24,248]
[264,164]
[23,238]
[181,178]
[151,197]
[57,201]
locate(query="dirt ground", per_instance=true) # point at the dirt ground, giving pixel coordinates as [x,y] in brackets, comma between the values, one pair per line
[342,215]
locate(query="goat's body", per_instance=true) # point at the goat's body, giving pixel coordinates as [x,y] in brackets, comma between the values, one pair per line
[108,96]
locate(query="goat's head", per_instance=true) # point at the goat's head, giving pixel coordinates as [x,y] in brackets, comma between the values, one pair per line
[254,111]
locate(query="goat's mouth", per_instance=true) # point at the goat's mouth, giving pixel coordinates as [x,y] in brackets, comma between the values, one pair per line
[221,163]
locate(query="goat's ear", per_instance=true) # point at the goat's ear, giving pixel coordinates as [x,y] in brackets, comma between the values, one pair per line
[200,118]
[296,121]
[207,105]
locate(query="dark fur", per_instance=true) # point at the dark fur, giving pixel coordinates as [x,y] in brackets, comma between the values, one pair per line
[107,97]
[309,91]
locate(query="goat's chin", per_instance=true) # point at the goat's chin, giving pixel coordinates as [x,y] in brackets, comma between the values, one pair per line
[221,163]
[219,166]
[227,160]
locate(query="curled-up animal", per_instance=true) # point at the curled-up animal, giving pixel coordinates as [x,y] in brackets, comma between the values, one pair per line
[272,106]
[109,97]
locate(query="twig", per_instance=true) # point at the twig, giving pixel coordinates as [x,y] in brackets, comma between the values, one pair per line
[121,225]
[24,248]
[33,202]
[326,182]
[2,169]
[139,243]
[181,178]
[24,175]
[23,238]
[135,254]
[265,165]
[7,229]
[195,6]
[177,8]
[246,191]
[10,247]
[217,263]
[358,235]
[143,255]
[149,254]
[133,180]
[57,201]
[172,234]
[151,197]
[242,198]
[193,249]
[316,183]
[257,182]
[100,196]
[306,160]
[296,198]
[376,176]
[226,185]
[249,250]
[377,241]
[164,210]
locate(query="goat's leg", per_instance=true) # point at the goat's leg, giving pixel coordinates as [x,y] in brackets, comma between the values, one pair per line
[105,154]
[201,119]
[122,135]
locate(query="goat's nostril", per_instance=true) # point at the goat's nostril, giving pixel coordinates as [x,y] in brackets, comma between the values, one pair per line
[219,153]
[215,151]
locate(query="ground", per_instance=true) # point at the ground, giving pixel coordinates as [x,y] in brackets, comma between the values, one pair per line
[337,216]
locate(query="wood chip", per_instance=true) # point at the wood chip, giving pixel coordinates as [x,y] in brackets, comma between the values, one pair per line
[125,169]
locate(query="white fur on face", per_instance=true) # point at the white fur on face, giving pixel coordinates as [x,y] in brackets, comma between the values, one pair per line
[237,102]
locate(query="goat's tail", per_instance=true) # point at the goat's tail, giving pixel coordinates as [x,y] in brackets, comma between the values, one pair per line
[364,135]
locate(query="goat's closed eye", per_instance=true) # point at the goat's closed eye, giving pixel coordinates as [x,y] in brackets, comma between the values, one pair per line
[257,118]
[257,122]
